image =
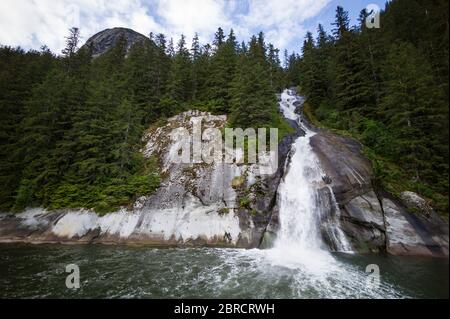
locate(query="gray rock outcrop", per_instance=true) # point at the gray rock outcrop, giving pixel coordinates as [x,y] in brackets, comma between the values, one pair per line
[217,204]
[107,39]
[373,220]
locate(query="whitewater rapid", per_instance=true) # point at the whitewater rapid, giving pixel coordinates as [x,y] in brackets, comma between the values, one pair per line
[301,206]
[299,246]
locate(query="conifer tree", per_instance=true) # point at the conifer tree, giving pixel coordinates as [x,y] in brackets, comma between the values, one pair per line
[412,108]
[195,54]
[179,86]
[223,64]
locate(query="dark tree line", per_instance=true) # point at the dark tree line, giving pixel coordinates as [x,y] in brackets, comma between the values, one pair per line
[71,125]
[389,88]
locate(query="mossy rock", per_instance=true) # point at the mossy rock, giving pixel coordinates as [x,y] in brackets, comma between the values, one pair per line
[237,181]
[268,240]
[223,211]
[254,212]
[244,202]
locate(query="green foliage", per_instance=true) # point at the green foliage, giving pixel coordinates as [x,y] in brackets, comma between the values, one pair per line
[254,212]
[24,195]
[253,98]
[79,132]
[71,126]
[238,181]
[245,202]
[277,121]
[224,211]
[106,196]
[19,73]
[387,87]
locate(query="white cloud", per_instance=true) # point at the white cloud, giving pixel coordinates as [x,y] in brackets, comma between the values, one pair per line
[190,16]
[281,20]
[32,23]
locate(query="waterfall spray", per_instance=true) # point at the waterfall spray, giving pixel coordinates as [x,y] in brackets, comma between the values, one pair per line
[304,216]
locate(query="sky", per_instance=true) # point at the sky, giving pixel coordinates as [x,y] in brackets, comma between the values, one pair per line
[34,23]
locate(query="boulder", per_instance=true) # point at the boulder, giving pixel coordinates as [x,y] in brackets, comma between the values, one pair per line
[350,175]
[411,234]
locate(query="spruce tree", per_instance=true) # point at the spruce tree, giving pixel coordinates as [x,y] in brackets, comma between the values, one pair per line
[179,85]
[223,68]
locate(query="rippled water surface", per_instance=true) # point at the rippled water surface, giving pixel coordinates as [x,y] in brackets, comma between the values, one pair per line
[141,272]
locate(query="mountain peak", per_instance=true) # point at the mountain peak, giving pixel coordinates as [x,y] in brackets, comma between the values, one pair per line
[107,39]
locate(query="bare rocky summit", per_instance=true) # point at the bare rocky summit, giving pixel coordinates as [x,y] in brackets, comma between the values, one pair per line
[105,40]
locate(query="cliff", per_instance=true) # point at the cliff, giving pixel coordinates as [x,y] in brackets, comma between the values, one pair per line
[196,204]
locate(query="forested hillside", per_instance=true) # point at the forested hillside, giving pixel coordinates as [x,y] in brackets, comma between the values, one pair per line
[71,125]
[388,87]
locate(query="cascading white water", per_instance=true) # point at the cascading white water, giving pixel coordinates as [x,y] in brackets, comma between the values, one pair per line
[300,259]
[301,208]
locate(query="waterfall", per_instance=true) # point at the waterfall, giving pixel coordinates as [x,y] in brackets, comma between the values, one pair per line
[308,209]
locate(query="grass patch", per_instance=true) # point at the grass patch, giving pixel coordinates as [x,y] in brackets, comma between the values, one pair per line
[245,202]
[224,211]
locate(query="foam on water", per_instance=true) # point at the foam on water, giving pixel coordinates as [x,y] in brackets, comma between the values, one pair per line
[299,249]
[306,274]
[299,238]
[140,272]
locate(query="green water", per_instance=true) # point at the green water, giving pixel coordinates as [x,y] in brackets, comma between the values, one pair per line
[28,271]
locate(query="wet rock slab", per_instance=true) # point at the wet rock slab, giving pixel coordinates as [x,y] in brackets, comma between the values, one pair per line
[373,220]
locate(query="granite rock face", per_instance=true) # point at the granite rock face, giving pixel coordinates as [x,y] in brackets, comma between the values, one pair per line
[247,191]
[107,39]
[347,169]
[372,220]
[414,234]
[216,204]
